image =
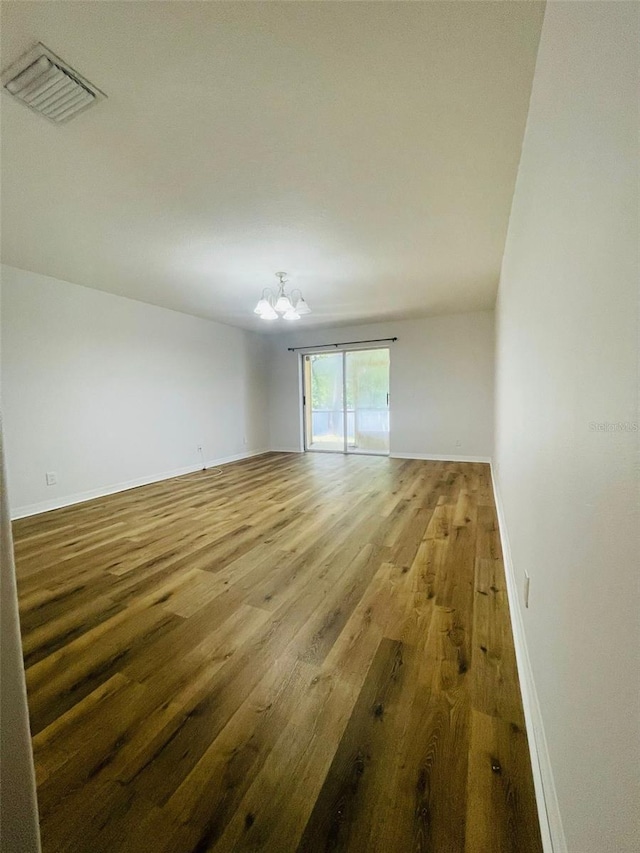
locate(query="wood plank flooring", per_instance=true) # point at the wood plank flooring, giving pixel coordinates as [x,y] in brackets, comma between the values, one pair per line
[292,653]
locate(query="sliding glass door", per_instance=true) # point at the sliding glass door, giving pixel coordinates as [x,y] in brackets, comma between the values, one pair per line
[346,401]
[367,391]
[324,399]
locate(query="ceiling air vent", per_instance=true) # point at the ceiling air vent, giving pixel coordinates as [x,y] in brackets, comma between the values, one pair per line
[47,85]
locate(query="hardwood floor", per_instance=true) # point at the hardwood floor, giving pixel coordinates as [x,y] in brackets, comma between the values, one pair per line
[300,653]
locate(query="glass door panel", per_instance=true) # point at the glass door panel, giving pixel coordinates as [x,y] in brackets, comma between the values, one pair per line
[367,391]
[324,409]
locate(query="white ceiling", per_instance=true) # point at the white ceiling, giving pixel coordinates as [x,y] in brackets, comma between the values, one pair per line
[369,149]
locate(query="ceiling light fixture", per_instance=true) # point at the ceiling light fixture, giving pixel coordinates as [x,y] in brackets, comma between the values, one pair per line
[271,304]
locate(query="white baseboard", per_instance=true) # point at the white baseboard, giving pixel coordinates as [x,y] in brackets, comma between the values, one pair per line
[81,497]
[285,450]
[553,839]
[438,457]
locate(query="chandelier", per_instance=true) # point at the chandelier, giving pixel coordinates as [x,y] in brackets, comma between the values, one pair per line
[273,304]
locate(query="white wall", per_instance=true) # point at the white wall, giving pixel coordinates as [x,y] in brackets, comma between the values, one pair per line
[18,806]
[107,391]
[567,334]
[441,383]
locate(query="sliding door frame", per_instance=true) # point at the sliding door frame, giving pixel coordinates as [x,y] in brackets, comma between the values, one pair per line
[307,412]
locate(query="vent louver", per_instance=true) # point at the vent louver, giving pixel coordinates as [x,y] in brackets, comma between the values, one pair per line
[45,84]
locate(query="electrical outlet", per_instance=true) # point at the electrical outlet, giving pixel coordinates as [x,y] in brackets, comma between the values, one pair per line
[199,448]
[527,584]
[51,478]
[244,441]
[458,443]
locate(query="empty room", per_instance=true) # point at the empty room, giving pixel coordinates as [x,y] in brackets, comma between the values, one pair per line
[319,436]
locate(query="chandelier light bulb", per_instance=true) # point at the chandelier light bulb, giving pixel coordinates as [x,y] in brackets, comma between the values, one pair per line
[269,315]
[262,307]
[300,304]
[283,304]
